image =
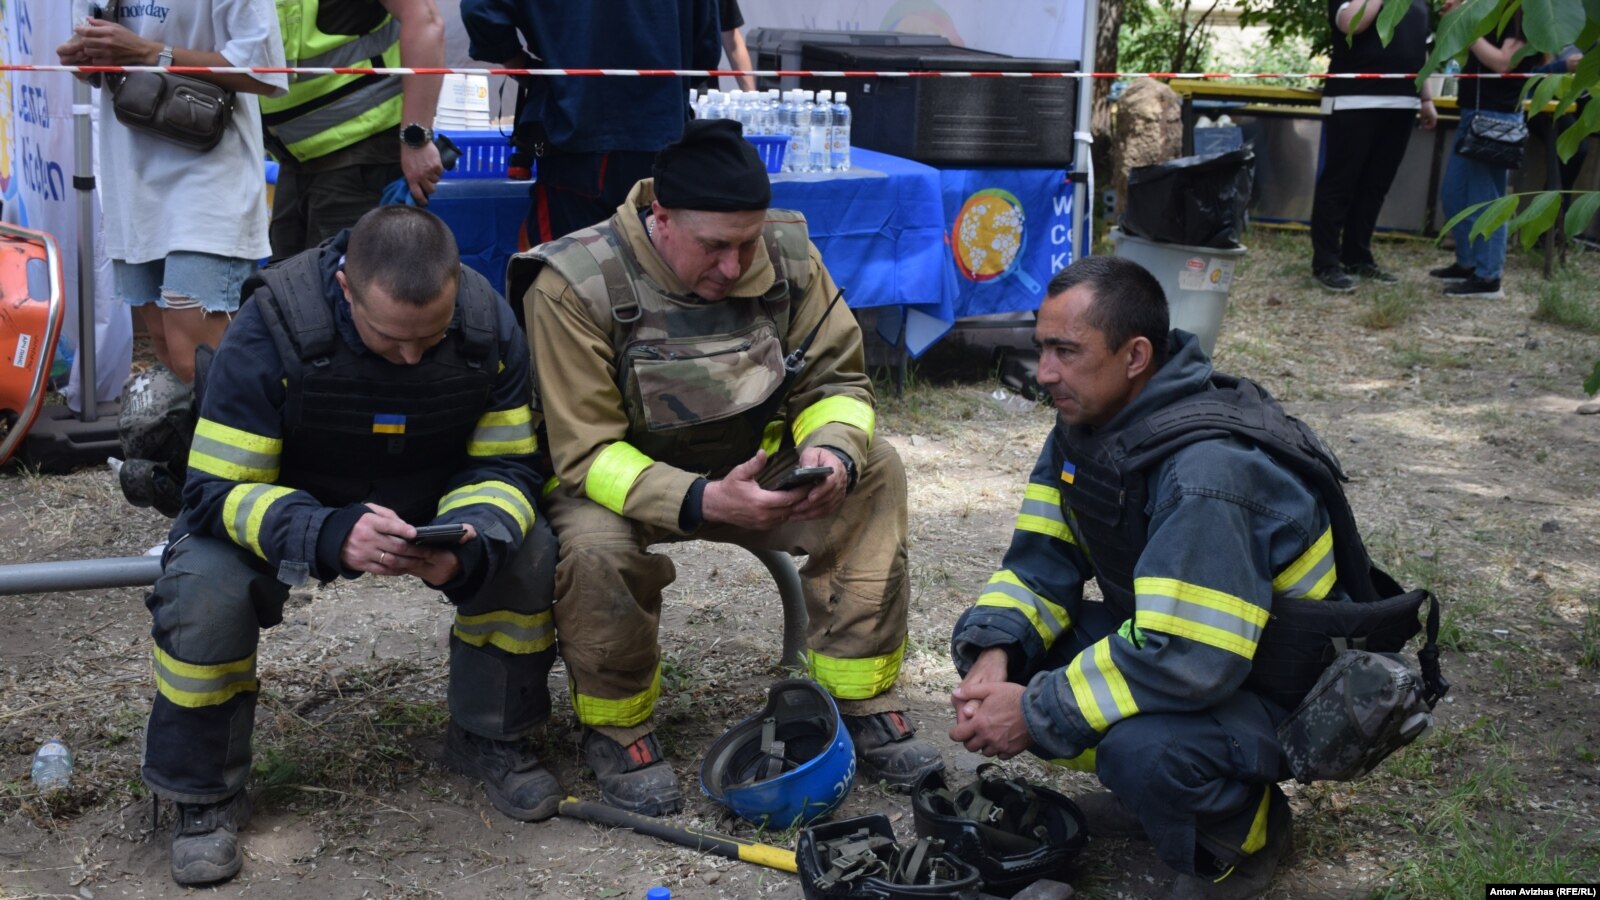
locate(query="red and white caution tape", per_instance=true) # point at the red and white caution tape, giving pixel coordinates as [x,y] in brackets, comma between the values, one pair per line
[712,73]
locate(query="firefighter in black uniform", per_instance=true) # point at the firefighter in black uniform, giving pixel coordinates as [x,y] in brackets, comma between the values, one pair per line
[368,386]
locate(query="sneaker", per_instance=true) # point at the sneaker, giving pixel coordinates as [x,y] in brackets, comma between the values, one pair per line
[516,782]
[205,840]
[1371,272]
[1109,817]
[1249,877]
[1487,288]
[1452,272]
[1589,407]
[635,778]
[888,750]
[1335,279]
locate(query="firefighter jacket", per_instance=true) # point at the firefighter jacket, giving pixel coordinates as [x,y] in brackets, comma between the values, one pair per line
[286,450]
[324,113]
[1229,531]
[607,417]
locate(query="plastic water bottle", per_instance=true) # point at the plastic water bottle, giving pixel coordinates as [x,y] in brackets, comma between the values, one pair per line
[770,105]
[52,766]
[820,124]
[840,158]
[794,157]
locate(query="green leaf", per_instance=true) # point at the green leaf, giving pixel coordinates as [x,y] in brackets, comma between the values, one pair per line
[1592,383]
[1551,24]
[1536,218]
[1497,213]
[1456,219]
[1544,89]
[1456,32]
[1389,18]
[1587,124]
[1582,210]
[1591,10]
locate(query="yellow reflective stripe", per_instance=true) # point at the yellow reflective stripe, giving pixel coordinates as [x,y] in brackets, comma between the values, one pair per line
[501,495]
[232,454]
[624,713]
[613,474]
[844,410]
[1006,590]
[1257,838]
[1198,613]
[1097,686]
[1042,492]
[1046,527]
[245,508]
[191,685]
[856,679]
[772,436]
[511,632]
[1312,575]
[550,484]
[1083,762]
[504,432]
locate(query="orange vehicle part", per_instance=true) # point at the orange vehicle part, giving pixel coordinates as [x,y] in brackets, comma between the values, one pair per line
[31,309]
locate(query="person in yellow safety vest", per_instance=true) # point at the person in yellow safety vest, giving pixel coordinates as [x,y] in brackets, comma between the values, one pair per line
[661,338]
[340,139]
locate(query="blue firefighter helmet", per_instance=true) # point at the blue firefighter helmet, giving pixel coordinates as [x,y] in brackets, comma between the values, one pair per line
[789,764]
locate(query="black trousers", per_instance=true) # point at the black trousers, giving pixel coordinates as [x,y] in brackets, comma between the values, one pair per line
[1362,151]
[576,190]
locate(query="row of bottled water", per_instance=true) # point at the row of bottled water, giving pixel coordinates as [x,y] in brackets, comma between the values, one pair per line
[817,124]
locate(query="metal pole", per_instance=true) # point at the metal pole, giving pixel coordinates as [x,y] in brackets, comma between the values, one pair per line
[79,575]
[83,182]
[1083,160]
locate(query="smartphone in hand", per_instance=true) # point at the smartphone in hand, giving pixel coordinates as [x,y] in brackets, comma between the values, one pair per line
[803,476]
[439,535]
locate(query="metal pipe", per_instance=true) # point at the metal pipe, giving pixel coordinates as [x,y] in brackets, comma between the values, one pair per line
[83,181]
[781,565]
[80,574]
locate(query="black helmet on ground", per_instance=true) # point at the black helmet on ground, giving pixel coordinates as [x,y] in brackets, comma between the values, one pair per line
[1012,832]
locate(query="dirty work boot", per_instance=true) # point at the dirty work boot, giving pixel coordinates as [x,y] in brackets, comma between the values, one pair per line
[636,777]
[1249,877]
[516,782]
[888,750]
[205,840]
[1109,817]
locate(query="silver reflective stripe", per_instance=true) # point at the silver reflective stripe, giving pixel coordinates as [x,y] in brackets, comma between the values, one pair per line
[248,459]
[241,518]
[1051,617]
[1159,604]
[362,48]
[201,686]
[1302,587]
[343,110]
[1104,700]
[502,434]
[519,633]
[484,492]
[1043,510]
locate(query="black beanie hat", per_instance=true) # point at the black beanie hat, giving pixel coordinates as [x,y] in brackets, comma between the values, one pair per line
[712,167]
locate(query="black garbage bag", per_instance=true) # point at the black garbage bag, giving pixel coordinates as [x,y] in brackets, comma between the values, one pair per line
[1197,200]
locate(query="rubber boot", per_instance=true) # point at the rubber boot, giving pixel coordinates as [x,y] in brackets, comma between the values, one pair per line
[888,750]
[1250,877]
[516,782]
[635,778]
[205,840]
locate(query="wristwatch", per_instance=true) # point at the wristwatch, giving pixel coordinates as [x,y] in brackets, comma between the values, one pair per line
[164,58]
[415,136]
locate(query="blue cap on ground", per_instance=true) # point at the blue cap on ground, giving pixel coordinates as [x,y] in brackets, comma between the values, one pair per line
[659,893]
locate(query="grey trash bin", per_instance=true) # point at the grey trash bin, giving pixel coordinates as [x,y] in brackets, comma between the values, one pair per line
[1196,280]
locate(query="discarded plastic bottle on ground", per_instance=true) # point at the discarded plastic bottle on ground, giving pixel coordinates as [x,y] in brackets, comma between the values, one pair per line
[52,766]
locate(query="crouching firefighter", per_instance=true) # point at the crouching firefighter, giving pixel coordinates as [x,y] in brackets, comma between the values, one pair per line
[369,386]
[1204,513]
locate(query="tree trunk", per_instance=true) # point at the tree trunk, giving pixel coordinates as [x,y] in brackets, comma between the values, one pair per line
[1105,60]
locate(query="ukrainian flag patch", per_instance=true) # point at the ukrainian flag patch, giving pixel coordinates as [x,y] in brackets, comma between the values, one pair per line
[388,423]
[1069,472]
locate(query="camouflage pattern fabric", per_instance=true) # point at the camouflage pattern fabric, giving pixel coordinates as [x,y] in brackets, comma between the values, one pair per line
[1364,707]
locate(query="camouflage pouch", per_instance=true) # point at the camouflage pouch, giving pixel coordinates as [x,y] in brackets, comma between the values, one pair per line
[681,383]
[1364,707]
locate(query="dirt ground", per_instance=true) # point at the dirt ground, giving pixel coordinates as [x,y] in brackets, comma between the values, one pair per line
[1471,474]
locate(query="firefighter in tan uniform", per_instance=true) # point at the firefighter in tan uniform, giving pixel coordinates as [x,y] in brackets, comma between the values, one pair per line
[661,338]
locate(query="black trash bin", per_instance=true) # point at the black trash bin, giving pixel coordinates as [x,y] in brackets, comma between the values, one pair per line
[1194,200]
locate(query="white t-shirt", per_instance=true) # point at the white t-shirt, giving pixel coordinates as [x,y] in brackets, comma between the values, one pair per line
[159,196]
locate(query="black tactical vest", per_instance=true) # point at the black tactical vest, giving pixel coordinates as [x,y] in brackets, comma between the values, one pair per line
[1109,506]
[359,428]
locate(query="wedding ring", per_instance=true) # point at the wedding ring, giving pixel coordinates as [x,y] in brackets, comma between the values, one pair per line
[383,558]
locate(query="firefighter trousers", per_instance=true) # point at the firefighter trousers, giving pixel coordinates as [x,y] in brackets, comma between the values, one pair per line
[210,604]
[1200,782]
[609,584]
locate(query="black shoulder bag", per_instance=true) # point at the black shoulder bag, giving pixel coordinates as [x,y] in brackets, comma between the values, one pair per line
[1497,142]
[176,108]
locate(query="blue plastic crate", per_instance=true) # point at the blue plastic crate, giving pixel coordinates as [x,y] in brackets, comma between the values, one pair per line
[484,154]
[771,147]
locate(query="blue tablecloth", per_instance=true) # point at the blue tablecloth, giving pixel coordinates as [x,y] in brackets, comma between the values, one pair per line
[887,231]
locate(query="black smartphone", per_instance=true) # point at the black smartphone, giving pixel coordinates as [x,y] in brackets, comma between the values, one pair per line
[803,476]
[439,535]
